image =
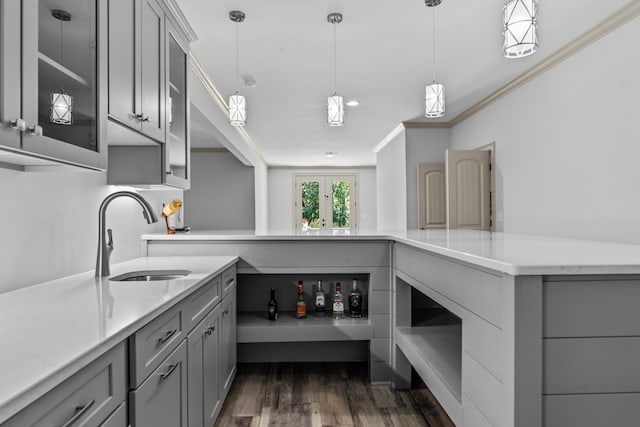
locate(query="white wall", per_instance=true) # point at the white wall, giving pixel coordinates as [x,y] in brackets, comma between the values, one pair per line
[422,146]
[50,224]
[280,190]
[222,194]
[261,178]
[568,145]
[391,185]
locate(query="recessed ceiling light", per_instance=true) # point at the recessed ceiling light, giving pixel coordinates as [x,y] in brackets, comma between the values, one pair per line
[330,154]
[353,103]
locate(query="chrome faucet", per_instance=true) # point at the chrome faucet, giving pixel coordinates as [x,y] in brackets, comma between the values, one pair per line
[105,247]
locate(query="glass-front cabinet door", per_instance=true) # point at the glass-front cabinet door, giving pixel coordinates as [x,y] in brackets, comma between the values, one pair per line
[63,55]
[10,117]
[177,141]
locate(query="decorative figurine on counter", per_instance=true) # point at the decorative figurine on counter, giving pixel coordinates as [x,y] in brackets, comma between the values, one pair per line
[169,210]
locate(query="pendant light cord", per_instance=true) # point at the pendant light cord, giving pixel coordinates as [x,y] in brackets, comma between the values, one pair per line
[335,60]
[433,28]
[61,53]
[237,55]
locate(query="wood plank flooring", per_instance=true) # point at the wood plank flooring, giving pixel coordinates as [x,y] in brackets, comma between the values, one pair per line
[324,395]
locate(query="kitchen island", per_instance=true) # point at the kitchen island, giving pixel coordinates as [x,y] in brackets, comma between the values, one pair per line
[505,329]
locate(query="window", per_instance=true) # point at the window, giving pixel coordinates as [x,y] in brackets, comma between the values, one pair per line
[325,202]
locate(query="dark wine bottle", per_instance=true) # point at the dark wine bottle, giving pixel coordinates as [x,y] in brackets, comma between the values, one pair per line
[272,307]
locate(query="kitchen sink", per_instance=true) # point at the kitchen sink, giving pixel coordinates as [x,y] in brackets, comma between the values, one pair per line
[150,275]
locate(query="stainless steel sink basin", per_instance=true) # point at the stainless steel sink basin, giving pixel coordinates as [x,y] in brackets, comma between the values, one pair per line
[150,275]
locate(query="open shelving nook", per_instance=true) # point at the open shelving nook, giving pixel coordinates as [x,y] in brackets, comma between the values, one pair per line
[253,295]
[429,338]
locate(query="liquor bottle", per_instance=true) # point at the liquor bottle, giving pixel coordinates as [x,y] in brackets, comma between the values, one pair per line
[320,308]
[272,307]
[355,300]
[301,306]
[338,303]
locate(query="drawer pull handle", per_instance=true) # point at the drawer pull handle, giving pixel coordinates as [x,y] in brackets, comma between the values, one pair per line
[80,411]
[210,329]
[225,311]
[172,368]
[168,335]
[230,281]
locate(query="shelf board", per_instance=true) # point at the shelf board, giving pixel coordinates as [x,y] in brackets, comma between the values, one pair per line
[64,70]
[435,352]
[254,327]
[174,88]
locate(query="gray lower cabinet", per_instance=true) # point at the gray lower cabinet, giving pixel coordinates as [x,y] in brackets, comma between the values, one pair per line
[161,400]
[203,370]
[87,398]
[228,342]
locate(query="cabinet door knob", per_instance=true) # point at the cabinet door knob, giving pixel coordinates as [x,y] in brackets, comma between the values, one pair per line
[18,124]
[142,117]
[35,130]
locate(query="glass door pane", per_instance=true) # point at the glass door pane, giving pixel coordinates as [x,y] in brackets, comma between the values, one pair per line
[309,203]
[67,102]
[176,110]
[341,204]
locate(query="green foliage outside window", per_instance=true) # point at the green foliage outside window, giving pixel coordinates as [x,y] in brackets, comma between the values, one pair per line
[310,203]
[341,203]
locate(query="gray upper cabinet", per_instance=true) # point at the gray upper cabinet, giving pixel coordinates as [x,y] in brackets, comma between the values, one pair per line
[51,103]
[137,66]
[148,99]
[9,73]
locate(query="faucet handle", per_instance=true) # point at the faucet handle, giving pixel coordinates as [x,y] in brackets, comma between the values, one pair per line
[110,241]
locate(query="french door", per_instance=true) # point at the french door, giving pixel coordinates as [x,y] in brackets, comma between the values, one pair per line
[325,202]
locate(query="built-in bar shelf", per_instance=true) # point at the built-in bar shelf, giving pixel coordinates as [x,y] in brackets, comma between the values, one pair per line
[254,327]
[435,352]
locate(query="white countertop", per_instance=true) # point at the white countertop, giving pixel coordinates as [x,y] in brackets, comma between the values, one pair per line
[514,254]
[51,330]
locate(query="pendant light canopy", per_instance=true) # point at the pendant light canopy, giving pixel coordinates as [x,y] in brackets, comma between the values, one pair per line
[335,103]
[61,103]
[237,103]
[434,100]
[520,28]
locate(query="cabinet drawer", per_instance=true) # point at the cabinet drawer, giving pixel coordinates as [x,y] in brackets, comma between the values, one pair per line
[161,400]
[228,280]
[153,342]
[86,398]
[118,418]
[202,301]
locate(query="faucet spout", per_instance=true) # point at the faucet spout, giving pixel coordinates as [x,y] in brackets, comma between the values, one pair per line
[106,246]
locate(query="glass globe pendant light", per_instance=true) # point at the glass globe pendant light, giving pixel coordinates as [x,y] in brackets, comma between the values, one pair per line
[61,103]
[520,28]
[237,102]
[335,103]
[434,99]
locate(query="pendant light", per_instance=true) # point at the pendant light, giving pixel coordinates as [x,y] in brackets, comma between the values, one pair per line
[335,103]
[434,99]
[61,103]
[520,28]
[237,103]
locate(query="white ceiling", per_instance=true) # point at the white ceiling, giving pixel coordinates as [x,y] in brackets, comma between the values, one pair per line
[383,60]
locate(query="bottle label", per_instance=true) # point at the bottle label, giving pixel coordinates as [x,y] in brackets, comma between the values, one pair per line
[320,301]
[301,310]
[338,307]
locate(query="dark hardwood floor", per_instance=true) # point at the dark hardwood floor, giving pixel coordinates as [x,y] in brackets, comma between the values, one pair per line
[324,395]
